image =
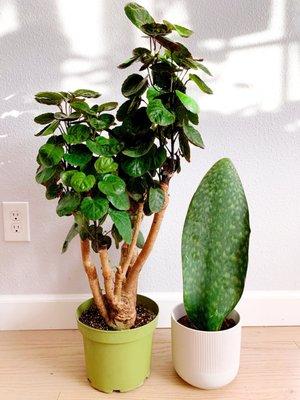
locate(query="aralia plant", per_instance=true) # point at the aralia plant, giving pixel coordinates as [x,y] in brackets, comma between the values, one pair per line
[119,168]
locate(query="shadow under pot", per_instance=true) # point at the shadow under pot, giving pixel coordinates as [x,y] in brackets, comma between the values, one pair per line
[207,360]
[118,360]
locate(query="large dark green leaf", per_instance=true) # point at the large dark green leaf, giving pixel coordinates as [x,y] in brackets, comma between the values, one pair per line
[200,83]
[188,102]
[133,85]
[159,114]
[127,107]
[154,29]
[50,154]
[67,204]
[102,122]
[50,98]
[111,105]
[152,160]
[104,165]
[193,135]
[78,155]
[73,232]
[86,93]
[119,201]
[184,146]
[53,191]
[215,244]
[104,147]
[81,182]
[138,15]
[49,129]
[44,174]
[44,119]
[94,209]
[156,199]
[112,185]
[77,134]
[139,150]
[122,221]
[66,176]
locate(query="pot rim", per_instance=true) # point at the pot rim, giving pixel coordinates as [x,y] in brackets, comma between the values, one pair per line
[121,332]
[199,331]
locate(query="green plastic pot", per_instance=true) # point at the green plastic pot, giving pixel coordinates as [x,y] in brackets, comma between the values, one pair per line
[118,360]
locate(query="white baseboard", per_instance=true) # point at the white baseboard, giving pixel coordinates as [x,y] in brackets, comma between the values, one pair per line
[257,308]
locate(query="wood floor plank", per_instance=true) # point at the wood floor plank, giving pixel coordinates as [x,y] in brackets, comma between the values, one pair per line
[49,365]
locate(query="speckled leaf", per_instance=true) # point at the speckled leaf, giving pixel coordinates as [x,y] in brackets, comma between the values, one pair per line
[215,244]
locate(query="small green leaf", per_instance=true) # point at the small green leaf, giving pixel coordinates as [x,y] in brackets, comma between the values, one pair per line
[78,155]
[50,98]
[83,107]
[136,166]
[200,83]
[49,129]
[127,63]
[73,232]
[122,221]
[193,135]
[50,154]
[86,93]
[112,185]
[138,151]
[120,201]
[188,102]
[153,92]
[104,165]
[44,119]
[53,191]
[184,146]
[104,147]
[94,209]
[64,117]
[138,15]
[66,176]
[67,204]
[45,174]
[133,85]
[77,134]
[182,31]
[204,69]
[107,106]
[159,114]
[102,122]
[81,182]
[140,240]
[156,199]
[193,118]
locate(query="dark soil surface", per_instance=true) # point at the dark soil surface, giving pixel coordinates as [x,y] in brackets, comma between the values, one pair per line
[92,317]
[227,324]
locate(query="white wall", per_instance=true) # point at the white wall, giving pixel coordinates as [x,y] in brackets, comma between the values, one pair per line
[252,47]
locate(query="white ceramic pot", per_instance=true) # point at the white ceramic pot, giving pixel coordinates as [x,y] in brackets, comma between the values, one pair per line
[207,360]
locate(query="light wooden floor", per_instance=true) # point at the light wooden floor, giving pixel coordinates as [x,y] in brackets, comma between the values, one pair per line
[48,365]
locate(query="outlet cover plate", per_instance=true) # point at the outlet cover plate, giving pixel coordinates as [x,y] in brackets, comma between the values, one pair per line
[16,221]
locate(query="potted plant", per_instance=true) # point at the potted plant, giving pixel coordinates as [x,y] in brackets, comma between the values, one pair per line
[107,173]
[206,330]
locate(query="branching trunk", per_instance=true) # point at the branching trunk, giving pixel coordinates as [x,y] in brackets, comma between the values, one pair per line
[107,277]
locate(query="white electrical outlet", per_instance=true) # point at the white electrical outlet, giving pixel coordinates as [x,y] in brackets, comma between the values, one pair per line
[16,221]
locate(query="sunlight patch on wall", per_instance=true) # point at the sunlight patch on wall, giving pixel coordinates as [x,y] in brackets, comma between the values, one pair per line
[8,18]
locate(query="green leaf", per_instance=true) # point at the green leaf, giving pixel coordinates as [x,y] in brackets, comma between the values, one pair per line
[107,106]
[140,165]
[133,85]
[73,232]
[138,151]
[104,147]
[184,146]
[127,63]
[86,93]
[159,114]
[78,155]
[83,225]
[140,240]
[182,31]
[102,122]
[94,209]
[193,135]
[67,204]
[127,107]
[81,182]
[49,129]
[156,199]
[154,29]
[50,154]
[64,117]
[120,201]
[50,98]
[45,174]
[44,119]
[204,69]
[138,15]
[77,134]
[53,191]
[122,221]
[66,176]
[104,165]
[193,118]
[189,103]
[153,92]
[200,83]
[112,185]
[117,237]
[215,242]
[82,106]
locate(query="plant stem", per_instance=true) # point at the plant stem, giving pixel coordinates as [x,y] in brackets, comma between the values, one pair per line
[107,277]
